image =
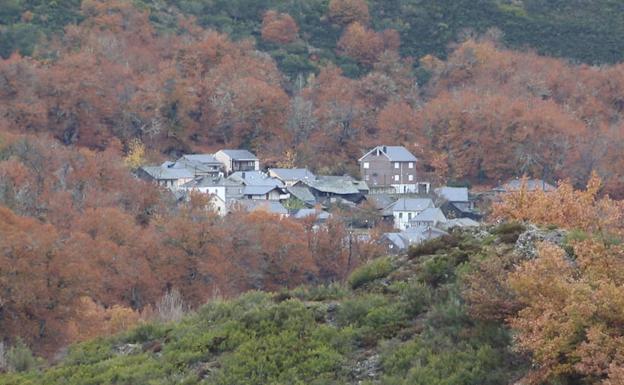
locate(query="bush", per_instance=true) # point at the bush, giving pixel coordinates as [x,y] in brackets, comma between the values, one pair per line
[437,270]
[171,307]
[415,297]
[333,291]
[376,269]
[19,358]
[509,232]
[433,246]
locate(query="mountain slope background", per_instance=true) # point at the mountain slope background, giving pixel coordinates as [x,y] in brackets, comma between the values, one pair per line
[585,31]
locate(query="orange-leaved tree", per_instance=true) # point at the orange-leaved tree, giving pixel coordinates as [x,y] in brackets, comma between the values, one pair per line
[565,207]
[279,28]
[573,312]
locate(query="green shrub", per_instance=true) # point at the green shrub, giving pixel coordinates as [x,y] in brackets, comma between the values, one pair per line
[19,358]
[333,291]
[378,268]
[509,232]
[415,297]
[437,270]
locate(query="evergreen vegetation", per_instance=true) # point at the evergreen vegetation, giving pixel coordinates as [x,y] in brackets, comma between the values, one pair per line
[402,323]
[587,31]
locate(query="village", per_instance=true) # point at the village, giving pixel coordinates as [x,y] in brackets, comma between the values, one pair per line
[390,193]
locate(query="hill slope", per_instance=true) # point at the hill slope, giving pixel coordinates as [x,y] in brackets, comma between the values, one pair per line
[400,321]
[588,31]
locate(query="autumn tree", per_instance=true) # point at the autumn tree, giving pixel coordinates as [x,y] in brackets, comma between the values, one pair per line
[279,28]
[345,12]
[360,43]
[572,312]
[565,207]
[397,122]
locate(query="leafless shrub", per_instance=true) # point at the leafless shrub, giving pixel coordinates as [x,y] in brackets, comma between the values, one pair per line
[171,307]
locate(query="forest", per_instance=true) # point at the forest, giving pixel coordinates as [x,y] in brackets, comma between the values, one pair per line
[479,91]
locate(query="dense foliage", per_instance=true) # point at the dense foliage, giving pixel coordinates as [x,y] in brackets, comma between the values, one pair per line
[593,30]
[406,323]
[197,90]
[84,242]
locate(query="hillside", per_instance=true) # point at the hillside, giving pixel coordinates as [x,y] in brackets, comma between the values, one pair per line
[399,320]
[587,31]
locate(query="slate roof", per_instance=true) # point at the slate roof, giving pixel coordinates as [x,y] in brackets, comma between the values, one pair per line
[459,222]
[272,207]
[453,194]
[206,181]
[255,178]
[432,214]
[292,174]
[414,235]
[338,185]
[258,190]
[394,153]
[531,185]
[410,204]
[167,173]
[320,214]
[201,158]
[302,193]
[399,241]
[380,201]
[240,154]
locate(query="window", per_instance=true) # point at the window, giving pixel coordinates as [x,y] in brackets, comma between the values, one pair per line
[396,178]
[400,215]
[396,164]
[409,216]
[410,178]
[366,177]
[410,165]
[366,165]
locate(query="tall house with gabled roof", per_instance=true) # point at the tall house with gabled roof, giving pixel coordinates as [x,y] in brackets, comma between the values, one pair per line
[237,160]
[391,169]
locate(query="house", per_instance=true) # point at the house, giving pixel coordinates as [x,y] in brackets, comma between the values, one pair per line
[391,169]
[453,210]
[430,217]
[461,223]
[166,175]
[237,160]
[331,189]
[404,209]
[457,203]
[416,235]
[302,194]
[215,187]
[254,178]
[320,215]
[516,184]
[271,207]
[396,243]
[456,195]
[265,192]
[290,176]
[200,165]
[257,185]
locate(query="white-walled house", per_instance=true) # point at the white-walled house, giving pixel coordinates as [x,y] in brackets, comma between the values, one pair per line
[215,187]
[430,217]
[405,209]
